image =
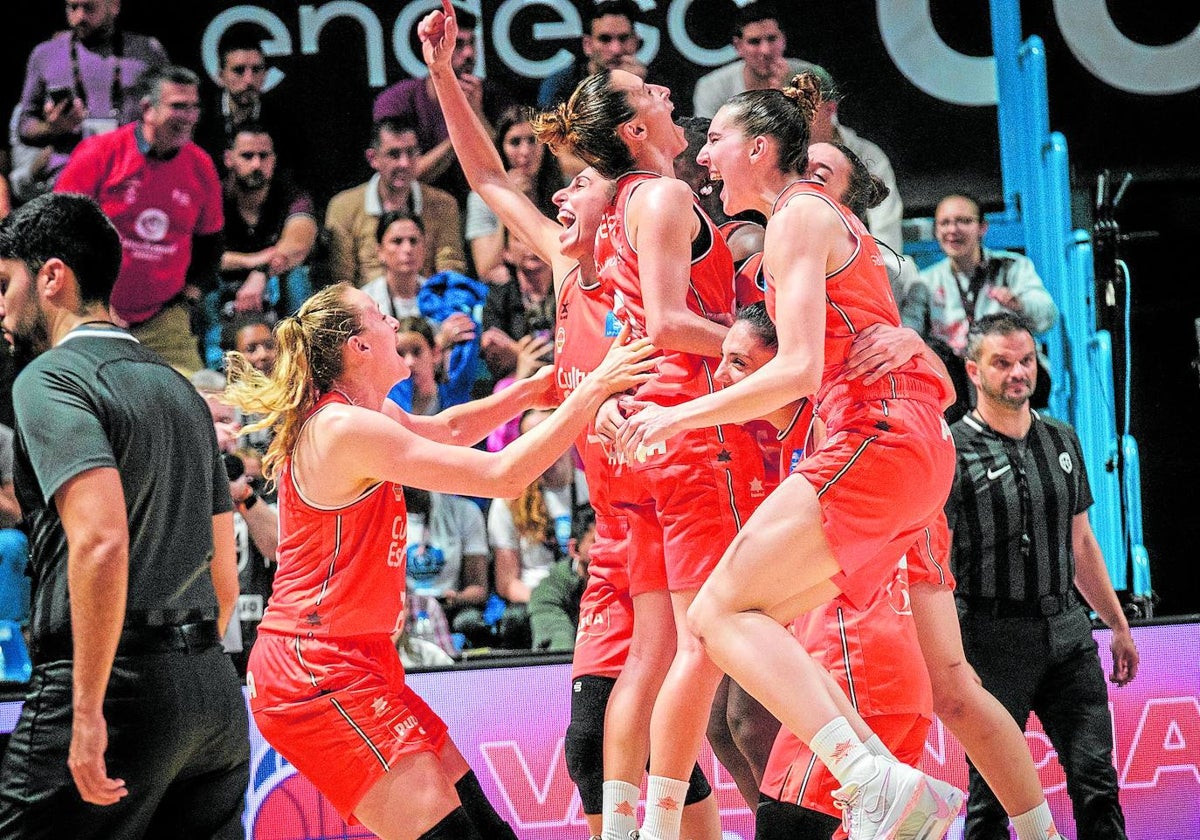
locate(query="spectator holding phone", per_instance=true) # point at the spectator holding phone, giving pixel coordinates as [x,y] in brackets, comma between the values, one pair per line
[83,81]
[522,307]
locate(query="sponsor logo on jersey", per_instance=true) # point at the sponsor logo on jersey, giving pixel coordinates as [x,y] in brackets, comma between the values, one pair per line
[593,625]
[795,459]
[569,379]
[407,726]
[645,453]
[612,326]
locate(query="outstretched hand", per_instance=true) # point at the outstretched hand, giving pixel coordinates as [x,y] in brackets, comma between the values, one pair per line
[437,31]
[626,365]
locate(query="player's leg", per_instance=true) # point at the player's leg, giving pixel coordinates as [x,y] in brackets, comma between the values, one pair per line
[989,735]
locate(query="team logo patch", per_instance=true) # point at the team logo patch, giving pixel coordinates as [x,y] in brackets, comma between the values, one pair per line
[560,339]
[1064,461]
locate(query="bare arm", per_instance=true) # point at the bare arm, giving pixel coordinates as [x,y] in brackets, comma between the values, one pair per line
[92,508]
[10,511]
[295,243]
[350,448]
[800,248]
[470,422]
[474,581]
[1091,579]
[244,261]
[435,162]
[473,144]
[664,246]
[880,349]
[487,252]
[224,569]
[262,520]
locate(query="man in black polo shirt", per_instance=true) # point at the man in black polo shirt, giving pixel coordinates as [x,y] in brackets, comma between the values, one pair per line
[1023,552]
[132,706]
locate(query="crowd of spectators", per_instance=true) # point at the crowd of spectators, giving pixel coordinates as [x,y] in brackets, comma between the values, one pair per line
[222,238]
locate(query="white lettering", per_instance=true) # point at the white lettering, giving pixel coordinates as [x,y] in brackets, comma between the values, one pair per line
[905,26]
[1093,38]
[569,25]
[313,20]
[689,49]
[929,63]
[569,380]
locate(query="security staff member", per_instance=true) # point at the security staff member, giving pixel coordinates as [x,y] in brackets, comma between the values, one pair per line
[134,724]
[1023,552]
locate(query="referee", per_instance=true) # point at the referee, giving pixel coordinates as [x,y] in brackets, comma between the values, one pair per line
[1028,567]
[134,724]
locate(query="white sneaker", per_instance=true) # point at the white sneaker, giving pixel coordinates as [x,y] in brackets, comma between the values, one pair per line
[898,803]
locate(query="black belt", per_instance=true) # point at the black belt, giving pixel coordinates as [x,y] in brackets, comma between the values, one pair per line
[1044,607]
[193,637]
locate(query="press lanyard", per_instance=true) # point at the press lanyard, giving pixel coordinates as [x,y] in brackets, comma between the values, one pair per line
[117,95]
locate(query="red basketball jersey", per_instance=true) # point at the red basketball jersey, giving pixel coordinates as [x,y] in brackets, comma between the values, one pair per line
[585,327]
[681,376]
[341,569]
[857,295]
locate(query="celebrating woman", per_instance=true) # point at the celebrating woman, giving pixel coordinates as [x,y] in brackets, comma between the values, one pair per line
[872,491]
[326,684]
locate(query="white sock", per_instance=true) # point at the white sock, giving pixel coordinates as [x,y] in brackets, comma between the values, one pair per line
[877,748]
[843,753]
[1036,824]
[620,810]
[664,808]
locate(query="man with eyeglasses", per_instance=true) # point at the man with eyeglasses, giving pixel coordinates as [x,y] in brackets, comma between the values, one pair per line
[760,44]
[1028,568]
[162,193]
[82,82]
[609,43]
[973,281]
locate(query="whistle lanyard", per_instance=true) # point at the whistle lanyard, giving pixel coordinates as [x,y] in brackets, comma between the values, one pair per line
[117,95]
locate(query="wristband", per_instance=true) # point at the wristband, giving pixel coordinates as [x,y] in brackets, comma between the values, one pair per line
[250,501]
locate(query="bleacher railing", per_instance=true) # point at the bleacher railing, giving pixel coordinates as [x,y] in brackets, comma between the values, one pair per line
[1036,219]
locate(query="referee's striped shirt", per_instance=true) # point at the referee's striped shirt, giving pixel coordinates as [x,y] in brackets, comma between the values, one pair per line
[1011,509]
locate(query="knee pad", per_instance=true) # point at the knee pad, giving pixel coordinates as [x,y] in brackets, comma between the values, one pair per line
[584,746]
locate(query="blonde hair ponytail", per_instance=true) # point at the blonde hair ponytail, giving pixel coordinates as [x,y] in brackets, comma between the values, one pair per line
[309,361]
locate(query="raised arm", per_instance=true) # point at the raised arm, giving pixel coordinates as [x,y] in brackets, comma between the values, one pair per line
[468,423]
[354,447]
[473,144]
